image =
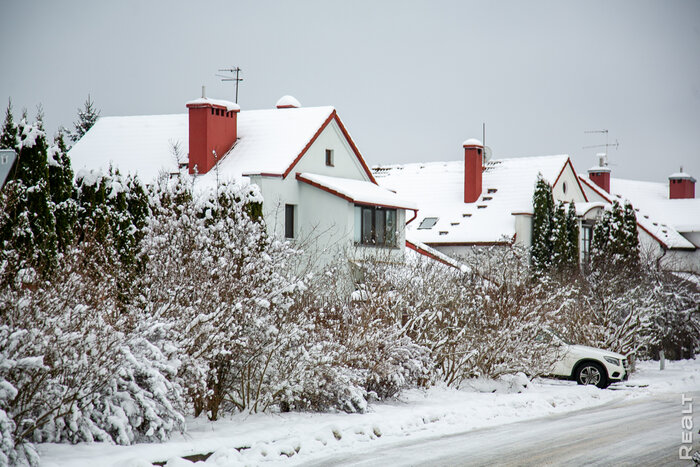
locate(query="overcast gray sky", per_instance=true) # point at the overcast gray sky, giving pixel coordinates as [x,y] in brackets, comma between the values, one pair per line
[411,80]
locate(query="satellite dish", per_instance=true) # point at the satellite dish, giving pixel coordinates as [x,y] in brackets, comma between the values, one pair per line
[488,153]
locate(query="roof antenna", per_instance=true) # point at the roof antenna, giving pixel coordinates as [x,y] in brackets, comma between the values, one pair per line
[603,157]
[235,76]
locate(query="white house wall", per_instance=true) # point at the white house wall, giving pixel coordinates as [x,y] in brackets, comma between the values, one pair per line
[573,190]
[523,230]
[346,164]
[324,223]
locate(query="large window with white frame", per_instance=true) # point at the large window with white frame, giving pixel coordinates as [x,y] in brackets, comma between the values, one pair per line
[375,226]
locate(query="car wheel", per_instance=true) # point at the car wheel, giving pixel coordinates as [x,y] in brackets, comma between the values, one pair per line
[592,373]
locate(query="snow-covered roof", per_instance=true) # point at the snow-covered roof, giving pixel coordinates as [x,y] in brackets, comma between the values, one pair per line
[584,208]
[660,216]
[269,141]
[472,142]
[357,191]
[438,188]
[421,249]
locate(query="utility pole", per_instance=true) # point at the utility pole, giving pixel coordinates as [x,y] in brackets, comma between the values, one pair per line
[235,77]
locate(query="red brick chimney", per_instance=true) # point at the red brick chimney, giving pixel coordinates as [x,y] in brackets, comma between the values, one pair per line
[473,168]
[681,186]
[213,129]
[600,175]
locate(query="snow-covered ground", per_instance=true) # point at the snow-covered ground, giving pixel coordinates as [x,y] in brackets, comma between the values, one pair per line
[295,438]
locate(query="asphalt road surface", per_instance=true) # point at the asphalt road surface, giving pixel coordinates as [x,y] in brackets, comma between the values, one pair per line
[641,432]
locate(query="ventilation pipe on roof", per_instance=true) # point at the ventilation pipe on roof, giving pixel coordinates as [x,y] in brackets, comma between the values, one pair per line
[600,175]
[681,186]
[213,129]
[473,169]
[288,102]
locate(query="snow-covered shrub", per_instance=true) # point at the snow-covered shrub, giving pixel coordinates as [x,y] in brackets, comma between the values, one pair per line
[220,287]
[78,369]
[483,323]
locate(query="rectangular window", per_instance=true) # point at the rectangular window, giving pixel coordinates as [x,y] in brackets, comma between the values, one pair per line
[329,157]
[586,231]
[289,220]
[378,226]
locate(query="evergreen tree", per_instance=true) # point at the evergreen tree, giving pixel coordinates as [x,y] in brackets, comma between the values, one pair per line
[27,225]
[565,238]
[615,240]
[559,238]
[573,236]
[630,235]
[8,137]
[600,250]
[543,211]
[87,116]
[61,188]
[113,212]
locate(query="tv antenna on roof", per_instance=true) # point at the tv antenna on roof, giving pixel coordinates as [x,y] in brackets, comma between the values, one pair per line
[607,145]
[235,76]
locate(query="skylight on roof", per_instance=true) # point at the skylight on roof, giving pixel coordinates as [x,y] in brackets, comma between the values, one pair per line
[428,223]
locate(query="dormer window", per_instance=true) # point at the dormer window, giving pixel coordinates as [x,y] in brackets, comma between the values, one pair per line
[329,158]
[428,223]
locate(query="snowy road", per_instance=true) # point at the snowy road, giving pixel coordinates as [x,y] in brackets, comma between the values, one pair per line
[630,432]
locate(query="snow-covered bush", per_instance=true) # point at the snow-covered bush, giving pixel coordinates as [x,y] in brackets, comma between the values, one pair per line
[220,287]
[479,324]
[73,369]
[629,310]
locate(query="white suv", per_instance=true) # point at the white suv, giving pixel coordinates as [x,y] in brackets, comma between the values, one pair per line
[586,365]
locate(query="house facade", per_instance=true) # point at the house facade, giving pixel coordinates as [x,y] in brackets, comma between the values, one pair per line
[668,214]
[474,202]
[317,189]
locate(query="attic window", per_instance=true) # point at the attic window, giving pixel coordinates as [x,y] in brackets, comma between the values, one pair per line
[428,223]
[492,190]
[563,187]
[329,157]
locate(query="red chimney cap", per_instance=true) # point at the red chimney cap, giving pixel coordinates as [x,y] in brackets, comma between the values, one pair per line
[220,103]
[681,176]
[472,142]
